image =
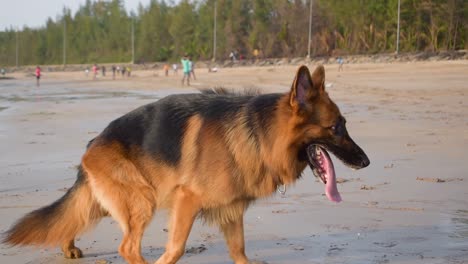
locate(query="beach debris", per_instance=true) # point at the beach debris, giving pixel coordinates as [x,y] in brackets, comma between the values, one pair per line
[298,248]
[367,188]
[438,180]
[45,134]
[341,180]
[383,183]
[430,179]
[283,211]
[411,209]
[196,250]
[372,203]
[102,261]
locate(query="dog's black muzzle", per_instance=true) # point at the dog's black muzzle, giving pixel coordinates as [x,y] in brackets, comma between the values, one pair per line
[349,153]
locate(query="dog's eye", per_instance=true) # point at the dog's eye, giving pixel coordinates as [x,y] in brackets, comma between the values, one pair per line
[333,128]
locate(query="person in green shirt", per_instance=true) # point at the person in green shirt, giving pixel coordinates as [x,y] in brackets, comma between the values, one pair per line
[186,67]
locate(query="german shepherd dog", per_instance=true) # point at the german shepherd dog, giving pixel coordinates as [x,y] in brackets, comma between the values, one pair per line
[208,154]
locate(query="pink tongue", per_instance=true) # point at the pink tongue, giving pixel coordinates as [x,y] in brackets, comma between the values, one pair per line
[331,190]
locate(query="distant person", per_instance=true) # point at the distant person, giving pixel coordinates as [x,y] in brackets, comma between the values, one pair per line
[340,63]
[3,72]
[192,70]
[38,75]
[175,68]
[232,56]
[95,71]
[103,70]
[123,70]
[186,69]
[255,54]
[86,71]
[113,72]
[129,71]
[166,69]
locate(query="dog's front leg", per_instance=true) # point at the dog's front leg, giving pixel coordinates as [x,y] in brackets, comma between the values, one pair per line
[234,234]
[184,209]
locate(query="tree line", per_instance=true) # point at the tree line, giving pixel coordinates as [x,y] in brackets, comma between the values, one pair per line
[103,31]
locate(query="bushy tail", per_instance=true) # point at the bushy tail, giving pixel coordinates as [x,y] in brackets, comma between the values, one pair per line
[60,222]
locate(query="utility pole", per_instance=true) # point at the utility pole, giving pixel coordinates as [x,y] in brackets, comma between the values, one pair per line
[133,42]
[64,41]
[16,47]
[214,31]
[398,30]
[310,30]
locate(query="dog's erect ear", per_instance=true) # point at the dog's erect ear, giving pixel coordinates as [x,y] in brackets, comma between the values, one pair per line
[306,87]
[318,78]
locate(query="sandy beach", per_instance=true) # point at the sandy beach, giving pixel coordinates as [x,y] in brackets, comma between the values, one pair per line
[409,206]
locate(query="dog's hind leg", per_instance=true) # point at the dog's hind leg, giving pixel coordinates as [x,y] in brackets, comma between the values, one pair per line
[131,206]
[130,247]
[123,191]
[234,235]
[185,207]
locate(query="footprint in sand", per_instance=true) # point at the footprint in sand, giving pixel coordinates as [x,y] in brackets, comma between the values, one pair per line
[386,244]
[335,249]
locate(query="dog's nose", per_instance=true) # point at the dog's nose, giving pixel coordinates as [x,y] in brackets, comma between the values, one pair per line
[365,162]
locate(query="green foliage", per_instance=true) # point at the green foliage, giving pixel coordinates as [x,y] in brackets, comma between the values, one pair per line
[182,28]
[101,31]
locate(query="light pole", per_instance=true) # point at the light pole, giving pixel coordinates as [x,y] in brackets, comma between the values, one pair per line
[64,41]
[133,42]
[214,31]
[398,30]
[16,47]
[310,30]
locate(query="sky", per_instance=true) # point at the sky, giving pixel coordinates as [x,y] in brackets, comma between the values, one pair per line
[34,13]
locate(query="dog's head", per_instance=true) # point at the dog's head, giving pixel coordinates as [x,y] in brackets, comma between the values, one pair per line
[321,126]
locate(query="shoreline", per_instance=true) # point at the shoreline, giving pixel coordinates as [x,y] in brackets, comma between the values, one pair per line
[326,60]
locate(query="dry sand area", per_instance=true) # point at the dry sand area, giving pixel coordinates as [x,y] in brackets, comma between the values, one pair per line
[409,206]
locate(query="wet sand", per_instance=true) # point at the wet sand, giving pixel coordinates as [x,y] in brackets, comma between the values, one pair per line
[409,206]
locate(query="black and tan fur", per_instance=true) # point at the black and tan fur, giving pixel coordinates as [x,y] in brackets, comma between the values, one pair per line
[209,154]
